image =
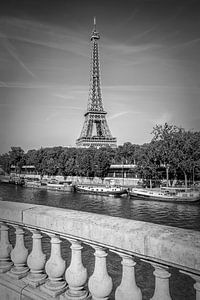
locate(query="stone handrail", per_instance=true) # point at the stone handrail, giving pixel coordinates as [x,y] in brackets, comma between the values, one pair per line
[162,246]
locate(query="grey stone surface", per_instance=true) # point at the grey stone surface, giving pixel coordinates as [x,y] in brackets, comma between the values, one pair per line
[172,246]
[12,211]
[17,290]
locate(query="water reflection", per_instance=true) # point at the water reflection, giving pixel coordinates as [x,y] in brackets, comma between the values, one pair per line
[179,215]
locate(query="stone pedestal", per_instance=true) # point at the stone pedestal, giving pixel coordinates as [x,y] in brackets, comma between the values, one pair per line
[14,289]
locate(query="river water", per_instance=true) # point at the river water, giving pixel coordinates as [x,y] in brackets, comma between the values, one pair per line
[178,215]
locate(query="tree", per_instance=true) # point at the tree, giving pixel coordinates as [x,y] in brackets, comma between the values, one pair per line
[31,157]
[84,164]
[51,167]
[5,162]
[17,157]
[102,162]
[67,161]
[148,164]
[186,152]
[176,148]
[126,153]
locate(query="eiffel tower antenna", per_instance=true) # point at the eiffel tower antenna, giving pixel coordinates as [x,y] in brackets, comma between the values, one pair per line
[95,131]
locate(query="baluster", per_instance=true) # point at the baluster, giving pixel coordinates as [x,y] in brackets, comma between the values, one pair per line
[128,290]
[19,256]
[197,286]
[161,283]
[76,274]
[55,268]
[5,249]
[197,283]
[36,262]
[100,283]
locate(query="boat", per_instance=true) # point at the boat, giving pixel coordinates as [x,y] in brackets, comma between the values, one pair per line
[173,194]
[101,190]
[5,178]
[30,183]
[65,186]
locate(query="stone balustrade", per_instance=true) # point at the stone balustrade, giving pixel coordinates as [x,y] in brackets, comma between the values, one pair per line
[31,275]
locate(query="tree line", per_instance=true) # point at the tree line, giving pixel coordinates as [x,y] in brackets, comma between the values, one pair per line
[172,149]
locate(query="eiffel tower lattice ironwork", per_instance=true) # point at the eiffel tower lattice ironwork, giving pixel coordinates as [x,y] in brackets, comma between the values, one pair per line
[95,131]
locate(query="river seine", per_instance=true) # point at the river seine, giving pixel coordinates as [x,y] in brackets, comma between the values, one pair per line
[178,215]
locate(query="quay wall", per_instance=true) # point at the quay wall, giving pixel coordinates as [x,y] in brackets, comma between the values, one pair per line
[97,180]
[76,179]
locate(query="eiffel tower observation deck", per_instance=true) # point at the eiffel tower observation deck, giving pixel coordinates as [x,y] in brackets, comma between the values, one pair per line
[95,131]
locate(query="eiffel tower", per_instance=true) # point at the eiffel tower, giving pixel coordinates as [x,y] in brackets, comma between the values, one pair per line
[95,131]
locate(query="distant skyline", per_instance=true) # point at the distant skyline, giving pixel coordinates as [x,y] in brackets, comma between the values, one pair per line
[149,62]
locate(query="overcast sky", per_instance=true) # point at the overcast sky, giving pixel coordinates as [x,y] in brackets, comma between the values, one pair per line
[150,68]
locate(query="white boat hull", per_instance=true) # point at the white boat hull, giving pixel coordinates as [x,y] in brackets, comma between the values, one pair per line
[60,187]
[99,190]
[162,196]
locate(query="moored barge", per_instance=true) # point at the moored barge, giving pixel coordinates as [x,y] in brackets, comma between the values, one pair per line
[101,190]
[174,194]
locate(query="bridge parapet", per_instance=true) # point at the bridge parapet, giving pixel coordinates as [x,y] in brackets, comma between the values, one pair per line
[32,276]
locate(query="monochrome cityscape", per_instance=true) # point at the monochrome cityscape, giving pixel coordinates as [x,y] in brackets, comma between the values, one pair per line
[99,150]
